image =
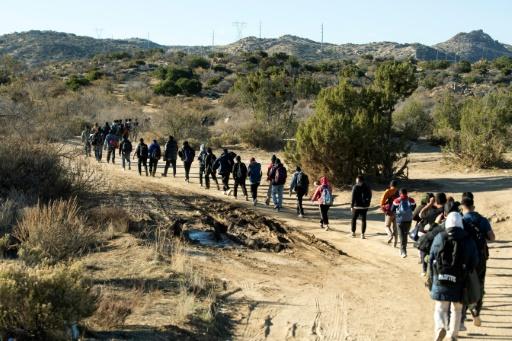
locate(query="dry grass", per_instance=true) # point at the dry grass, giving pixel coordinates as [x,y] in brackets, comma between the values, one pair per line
[113,220]
[54,232]
[113,309]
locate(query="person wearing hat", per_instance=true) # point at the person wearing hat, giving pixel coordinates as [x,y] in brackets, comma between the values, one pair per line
[452,256]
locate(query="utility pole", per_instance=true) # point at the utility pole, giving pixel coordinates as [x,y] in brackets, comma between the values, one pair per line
[239,26]
[148,42]
[322,40]
[213,39]
[260,29]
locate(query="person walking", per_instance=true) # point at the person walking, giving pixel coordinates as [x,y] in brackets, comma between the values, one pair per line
[86,141]
[111,144]
[278,176]
[480,230]
[225,166]
[170,155]
[386,202]
[361,199]
[97,143]
[324,199]
[202,163]
[452,256]
[255,175]
[187,155]
[142,153]
[403,208]
[125,149]
[270,167]
[209,170]
[299,185]
[240,177]
[155,153]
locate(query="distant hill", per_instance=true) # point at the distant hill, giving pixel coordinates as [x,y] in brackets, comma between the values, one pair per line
[473,46]
[35,47]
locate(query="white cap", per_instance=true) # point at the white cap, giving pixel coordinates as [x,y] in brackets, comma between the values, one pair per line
[454,219]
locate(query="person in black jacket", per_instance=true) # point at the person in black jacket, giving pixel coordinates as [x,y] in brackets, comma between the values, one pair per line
[225,165]
[170,156]
[125,149]
[202,163]
[142,155]
[361,199]
[187,155]
[240,177]
[209,161]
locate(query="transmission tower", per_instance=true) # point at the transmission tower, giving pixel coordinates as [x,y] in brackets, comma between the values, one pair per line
[260,29]
[239,26]
[322,39]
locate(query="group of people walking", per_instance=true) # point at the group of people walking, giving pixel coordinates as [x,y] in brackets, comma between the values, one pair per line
[451,237]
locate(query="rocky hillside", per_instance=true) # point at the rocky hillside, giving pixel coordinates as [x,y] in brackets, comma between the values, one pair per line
[35,47]
[473,46]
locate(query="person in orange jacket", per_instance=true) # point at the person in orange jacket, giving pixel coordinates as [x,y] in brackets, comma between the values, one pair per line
[386,202]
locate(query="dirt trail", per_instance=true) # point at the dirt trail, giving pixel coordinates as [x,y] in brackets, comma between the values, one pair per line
[368,294]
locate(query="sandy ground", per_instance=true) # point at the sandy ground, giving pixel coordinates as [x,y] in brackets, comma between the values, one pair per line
[369,293]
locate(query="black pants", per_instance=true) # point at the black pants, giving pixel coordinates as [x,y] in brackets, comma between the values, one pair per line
[359,212]
[324,219]
[403,233]
[187,166]
[207,176]
[241,183]
[300,197]
[153,164]
[111,152]
[225,182]
[169,163]
[202,171]
[143,162]
[254,190]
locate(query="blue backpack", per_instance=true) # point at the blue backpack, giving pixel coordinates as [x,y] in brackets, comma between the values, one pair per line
[404,211]
[326,196]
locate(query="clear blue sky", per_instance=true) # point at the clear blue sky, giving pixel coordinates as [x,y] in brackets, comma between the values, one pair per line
[191,22]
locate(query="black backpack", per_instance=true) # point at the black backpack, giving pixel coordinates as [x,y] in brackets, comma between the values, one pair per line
[366,196]
[473,230]
[449,263]
[144,151]
[127,147]
[302,181]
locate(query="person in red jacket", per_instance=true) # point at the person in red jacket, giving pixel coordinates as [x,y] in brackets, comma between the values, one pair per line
[269,179]
[324,199]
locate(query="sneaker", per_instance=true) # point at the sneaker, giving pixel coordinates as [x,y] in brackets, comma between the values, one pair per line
[423,274]
[164,175]
[321,225]
[229,192]
[301,216]
[441,334]
[246,198]
[403,254]
[254,202]
[327,227]
[362,236]
[477,321]
[353,234]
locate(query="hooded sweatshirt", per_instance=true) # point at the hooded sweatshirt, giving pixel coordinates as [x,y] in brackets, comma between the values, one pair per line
[202,156]
[317,195]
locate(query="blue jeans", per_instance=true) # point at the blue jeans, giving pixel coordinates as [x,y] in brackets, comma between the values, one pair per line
[277,195]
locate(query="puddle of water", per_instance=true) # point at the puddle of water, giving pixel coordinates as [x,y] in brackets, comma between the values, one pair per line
[207,238]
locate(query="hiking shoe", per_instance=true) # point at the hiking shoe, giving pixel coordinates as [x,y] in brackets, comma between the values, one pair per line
[441,334]
[394,245]
[321,225]
[362,236]
[246,198]
[164,175]
[218,188]
[390,240]
[403,254]
[254,202]
[477,321]
[327,227]
[353,234]
[229,192]
[301,216]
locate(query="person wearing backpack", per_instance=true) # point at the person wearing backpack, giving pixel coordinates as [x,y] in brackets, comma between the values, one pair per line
[480,230]
[225,165]
[240,177]
[111,144]
[86,140]
[187,155]
[97,143]
[299,185]
[452,257]
[386,202]
[361,199]
[125,149]
[255,175]
[324,199]
[270,168]
[154,155]
[202,163]
[278,176]
[209,170]
[170,156]
[403,208]
[142,153]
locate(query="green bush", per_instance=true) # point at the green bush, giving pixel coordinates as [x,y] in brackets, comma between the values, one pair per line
[167,87]
[189,86]
[184,124]
[175,73]
[196,61]
[413,121]
[53,233]
[262,136]
[42,303]
[76,82]
[463,66]
[221,68]
[446,115]
[93,75]
[214,81]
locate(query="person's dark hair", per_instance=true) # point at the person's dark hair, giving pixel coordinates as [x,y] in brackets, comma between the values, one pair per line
[393,183]
[467,202]
[278,161]
[225,150]
[209,150]
[298,169]
[468,195]
[171,137]
[403,191]
[141,140]
[451,206]
[253,159]
[274,158]
[238,158]
[360,178]
[440,198]
[185,143]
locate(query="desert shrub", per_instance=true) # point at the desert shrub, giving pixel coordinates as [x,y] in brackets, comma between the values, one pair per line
[197,61]
[94,75]
[307,87]
[214,81]
[42,303]
[436,64]
[76,82]
[174,73]
[484,131]
[119,55]
[463,66]
[221,68]
[224,139]
[113,219]
[167,87]
[189,86]
[262,136]
[430,81]
[183,124]
[413,121]
[54,232]
[446,117]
